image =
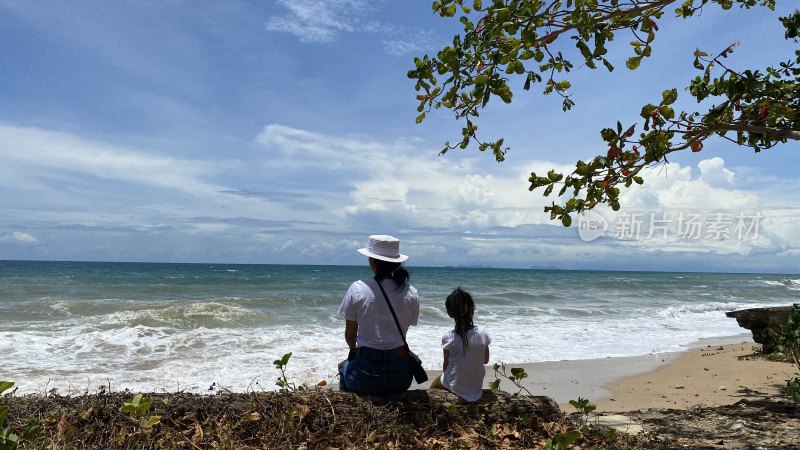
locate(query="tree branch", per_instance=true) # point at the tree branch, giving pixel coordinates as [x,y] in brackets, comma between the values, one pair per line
[784,133]
[550,37]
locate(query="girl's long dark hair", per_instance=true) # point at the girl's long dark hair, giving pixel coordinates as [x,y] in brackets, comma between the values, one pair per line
[393,270]
[461,308]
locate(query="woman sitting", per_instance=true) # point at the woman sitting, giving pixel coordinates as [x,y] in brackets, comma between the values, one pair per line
[378,360]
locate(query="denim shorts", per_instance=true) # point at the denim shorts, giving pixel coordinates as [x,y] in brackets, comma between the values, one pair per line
[377,372]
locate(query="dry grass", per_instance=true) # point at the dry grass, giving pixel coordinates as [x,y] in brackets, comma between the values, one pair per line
[313,419]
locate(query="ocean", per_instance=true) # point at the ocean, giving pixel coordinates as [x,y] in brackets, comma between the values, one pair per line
[77,326]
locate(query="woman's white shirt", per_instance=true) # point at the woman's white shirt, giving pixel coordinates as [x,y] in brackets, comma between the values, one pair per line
[364,304]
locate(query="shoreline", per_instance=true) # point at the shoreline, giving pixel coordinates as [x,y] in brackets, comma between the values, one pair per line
[712,372]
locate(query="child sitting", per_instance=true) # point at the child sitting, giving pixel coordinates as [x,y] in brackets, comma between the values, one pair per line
[465,348]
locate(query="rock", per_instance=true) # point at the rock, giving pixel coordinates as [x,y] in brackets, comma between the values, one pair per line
[621,423]
[764,323]
[737,426]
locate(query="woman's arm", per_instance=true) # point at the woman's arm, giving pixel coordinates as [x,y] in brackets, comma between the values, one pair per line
[351,333]
[446,359]
[486,356]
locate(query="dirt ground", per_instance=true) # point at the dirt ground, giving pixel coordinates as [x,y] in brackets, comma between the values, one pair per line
[759,424]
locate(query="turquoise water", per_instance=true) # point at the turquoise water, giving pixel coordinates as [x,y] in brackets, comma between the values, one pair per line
[76,325]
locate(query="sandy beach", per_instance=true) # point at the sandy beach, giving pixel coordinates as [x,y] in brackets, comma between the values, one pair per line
[712,373]
[710,376]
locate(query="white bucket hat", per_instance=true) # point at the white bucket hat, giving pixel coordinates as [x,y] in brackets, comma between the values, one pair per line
[383,247]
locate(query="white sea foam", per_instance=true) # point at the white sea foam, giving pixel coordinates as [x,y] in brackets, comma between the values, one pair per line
[141,357]
[60,307]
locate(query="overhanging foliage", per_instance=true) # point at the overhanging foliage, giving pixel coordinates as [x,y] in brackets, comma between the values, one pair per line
[512,40]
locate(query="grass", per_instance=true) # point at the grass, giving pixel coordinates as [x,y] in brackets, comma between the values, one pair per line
[309,419]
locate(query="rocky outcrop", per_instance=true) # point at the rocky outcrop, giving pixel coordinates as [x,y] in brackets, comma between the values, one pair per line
[764,323]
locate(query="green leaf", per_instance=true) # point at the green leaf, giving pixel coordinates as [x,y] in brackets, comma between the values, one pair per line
[584,49]
[518,373]
[563,440]
[137,400]
[566,220]
[477,4]
[32,432]
[633,62]
[669,96]
[571,203]
[8,438]
[420,118]
[647,110]
[3,413]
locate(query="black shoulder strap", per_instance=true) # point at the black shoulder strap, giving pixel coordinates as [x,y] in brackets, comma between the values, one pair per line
[394,316]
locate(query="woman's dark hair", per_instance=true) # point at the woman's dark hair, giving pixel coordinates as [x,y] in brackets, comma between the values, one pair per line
[461,307]
[393,270]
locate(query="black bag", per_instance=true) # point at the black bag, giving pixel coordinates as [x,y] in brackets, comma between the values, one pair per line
[414,363]
[420,376]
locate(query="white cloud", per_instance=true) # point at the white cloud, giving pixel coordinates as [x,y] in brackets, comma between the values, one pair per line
[400,42]
[476,191]
[325,20]
[676,212]
[293,147]
[400,47]
[713,172]
[320,20]
[673,187]
[361,183]
[474,218]
[61,180]
[209,229]
[57,151]
[401,180]
[398,184]
[19,237]
[385,196]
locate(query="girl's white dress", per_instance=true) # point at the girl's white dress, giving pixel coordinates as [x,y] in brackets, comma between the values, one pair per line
[465,370]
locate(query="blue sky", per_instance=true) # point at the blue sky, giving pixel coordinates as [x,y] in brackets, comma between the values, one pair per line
[283,132]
